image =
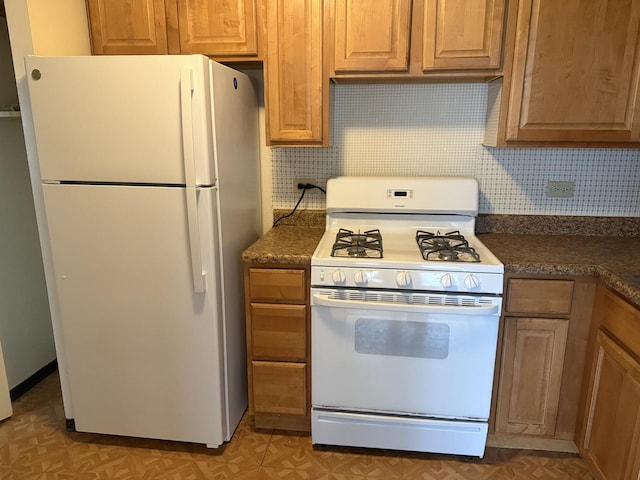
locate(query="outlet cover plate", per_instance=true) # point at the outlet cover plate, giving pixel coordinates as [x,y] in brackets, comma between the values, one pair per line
[304,181]
[559,189]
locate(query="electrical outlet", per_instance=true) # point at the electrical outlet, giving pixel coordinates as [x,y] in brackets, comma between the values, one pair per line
[304,181]
[559,189]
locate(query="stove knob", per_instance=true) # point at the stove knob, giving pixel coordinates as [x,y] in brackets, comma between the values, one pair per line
[471,281]
[446,280]
[360,278]
[338,277]
[403,279]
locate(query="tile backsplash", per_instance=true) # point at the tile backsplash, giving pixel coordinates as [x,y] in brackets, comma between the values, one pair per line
[437,129]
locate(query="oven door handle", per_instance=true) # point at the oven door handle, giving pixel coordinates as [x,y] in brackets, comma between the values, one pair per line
[325,301]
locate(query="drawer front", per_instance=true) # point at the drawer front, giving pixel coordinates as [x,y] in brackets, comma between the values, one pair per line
[279,332]
[280,388]
[539,296]
[278,285]
[619,318]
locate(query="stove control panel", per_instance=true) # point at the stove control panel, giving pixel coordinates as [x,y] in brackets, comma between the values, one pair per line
[430,280]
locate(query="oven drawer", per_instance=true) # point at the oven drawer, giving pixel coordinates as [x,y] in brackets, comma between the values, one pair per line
[531,296]
[279,332]
[277,285]
[279,388]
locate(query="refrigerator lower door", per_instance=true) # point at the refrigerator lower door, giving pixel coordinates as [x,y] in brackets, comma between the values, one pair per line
[144,350]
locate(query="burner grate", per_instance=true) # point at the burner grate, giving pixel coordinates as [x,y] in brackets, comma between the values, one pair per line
[448,247]
[357,245]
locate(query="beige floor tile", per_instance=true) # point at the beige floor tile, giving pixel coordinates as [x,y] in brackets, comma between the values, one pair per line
[35,446]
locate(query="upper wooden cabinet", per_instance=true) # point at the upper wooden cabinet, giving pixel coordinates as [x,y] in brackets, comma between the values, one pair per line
[128,27]
[296,84]
[223,29]
[418,38]
[462,34]
[218,27]
[372,35]
[572,82]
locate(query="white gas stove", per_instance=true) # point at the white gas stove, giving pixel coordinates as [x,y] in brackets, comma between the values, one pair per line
[405,308]
[389,220]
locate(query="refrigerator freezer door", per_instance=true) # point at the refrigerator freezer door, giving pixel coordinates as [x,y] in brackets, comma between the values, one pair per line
[143,350]
[120,118]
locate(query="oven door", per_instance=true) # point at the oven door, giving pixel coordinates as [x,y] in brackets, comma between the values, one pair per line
[403,353]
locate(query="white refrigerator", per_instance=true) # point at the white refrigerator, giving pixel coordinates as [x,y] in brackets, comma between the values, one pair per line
[150,173]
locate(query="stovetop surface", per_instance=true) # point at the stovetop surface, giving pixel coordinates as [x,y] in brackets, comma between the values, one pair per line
[400,249]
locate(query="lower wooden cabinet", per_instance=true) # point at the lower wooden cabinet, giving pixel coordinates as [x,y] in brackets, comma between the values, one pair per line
[280,388]
[540,362]
[279,331]
[531,375]
[278,357]
[610,436]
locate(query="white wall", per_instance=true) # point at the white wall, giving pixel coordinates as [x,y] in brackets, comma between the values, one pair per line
[25,324]
[42,27]
[8,91]
[437,129]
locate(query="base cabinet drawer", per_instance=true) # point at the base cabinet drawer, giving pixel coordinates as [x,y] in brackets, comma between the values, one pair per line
[532,296]
[280,387]
[279,332]
[277,285]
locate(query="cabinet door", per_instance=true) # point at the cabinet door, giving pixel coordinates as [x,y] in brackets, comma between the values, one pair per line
[611,443]
[531,375]
[218,27]
[296,88]
[120,27]
[462,34]
[575,71]
[372,35]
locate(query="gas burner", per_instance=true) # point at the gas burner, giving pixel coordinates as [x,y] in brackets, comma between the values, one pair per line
[357,245]
[448,247]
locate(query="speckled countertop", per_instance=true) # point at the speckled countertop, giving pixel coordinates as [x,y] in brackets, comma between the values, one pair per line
[615,260]
[285,244]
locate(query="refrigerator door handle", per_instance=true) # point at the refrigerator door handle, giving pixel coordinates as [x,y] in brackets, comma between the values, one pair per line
[186,90]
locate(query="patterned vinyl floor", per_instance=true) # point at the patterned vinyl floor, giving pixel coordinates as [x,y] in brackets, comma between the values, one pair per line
[35,445]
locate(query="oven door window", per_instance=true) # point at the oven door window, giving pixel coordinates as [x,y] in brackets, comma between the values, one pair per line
[405,339]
